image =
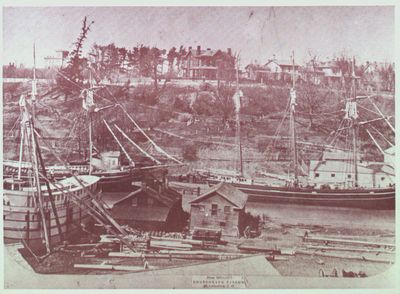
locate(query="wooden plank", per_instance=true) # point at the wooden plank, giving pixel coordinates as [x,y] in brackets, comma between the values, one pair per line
[188,255]
[347,241]
[154,243]
[184,241]
[276,258]
[110,267]
[258,249]
[348,249]
[362,258]
[200,252]
[168,247]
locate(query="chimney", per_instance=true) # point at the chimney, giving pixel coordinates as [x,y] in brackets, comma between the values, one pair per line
[198,50]
[229,51]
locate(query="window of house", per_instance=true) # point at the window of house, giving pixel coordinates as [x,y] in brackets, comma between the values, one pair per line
[349,176]
[202,208]
[150,201]
[227,209]
[317,175]
[214,209]
[382,178]
[333,175]
[134,201]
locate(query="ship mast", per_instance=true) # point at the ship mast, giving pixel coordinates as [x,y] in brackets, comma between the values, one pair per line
[27,128]
[293,123]
[238,119]
[34,83]
[354,125]
[90,96]
[88,106]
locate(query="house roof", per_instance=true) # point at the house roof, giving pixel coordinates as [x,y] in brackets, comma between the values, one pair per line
[256,67]
[227,191]
[152,213]
[282,62]
[203,53]
[168,197]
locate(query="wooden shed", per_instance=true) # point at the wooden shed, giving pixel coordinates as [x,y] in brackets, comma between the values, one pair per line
[151,207]
[222,207]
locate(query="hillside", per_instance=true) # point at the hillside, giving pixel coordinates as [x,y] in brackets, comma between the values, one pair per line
[194,124]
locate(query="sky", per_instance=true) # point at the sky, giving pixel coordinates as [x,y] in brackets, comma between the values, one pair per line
[256,33]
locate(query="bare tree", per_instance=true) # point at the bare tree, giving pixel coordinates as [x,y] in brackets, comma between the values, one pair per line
[70,78]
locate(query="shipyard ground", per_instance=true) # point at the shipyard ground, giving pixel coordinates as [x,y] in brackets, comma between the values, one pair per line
[283,229]
[19,275]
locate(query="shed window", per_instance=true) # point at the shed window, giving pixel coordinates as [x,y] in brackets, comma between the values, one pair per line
[349,176]
[317,175]
[333,175]
[214,209]
[134,201]
[150,201]
[202,208]
[227,209]
[382,178]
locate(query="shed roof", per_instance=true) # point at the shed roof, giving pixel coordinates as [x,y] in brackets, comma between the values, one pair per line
[152,213]
[227,191]
[168,197]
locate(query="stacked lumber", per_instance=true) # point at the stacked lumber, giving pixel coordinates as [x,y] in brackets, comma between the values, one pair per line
[351,257]
[347,242]
[352,246]
[110,267]
[181,254]
[161,244]
[254,248]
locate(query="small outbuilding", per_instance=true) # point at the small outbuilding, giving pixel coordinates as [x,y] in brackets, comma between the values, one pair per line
[222,207]
[152,207]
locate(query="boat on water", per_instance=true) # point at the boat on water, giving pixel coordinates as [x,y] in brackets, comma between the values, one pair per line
[349,193]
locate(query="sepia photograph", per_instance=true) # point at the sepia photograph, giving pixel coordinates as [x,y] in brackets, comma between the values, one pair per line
[198,147]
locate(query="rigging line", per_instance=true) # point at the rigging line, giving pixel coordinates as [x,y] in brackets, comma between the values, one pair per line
[374,112]
[375,129]
[376,143]
[119,143]
[190,139]
[136,145]
[82,88]
[277,131]
[383,116]
[15,123]
[335,133]
[106,214]
[157,148]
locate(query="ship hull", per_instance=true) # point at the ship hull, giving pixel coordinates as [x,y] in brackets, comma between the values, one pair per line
[110,181]
[22,220]
[379,199]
